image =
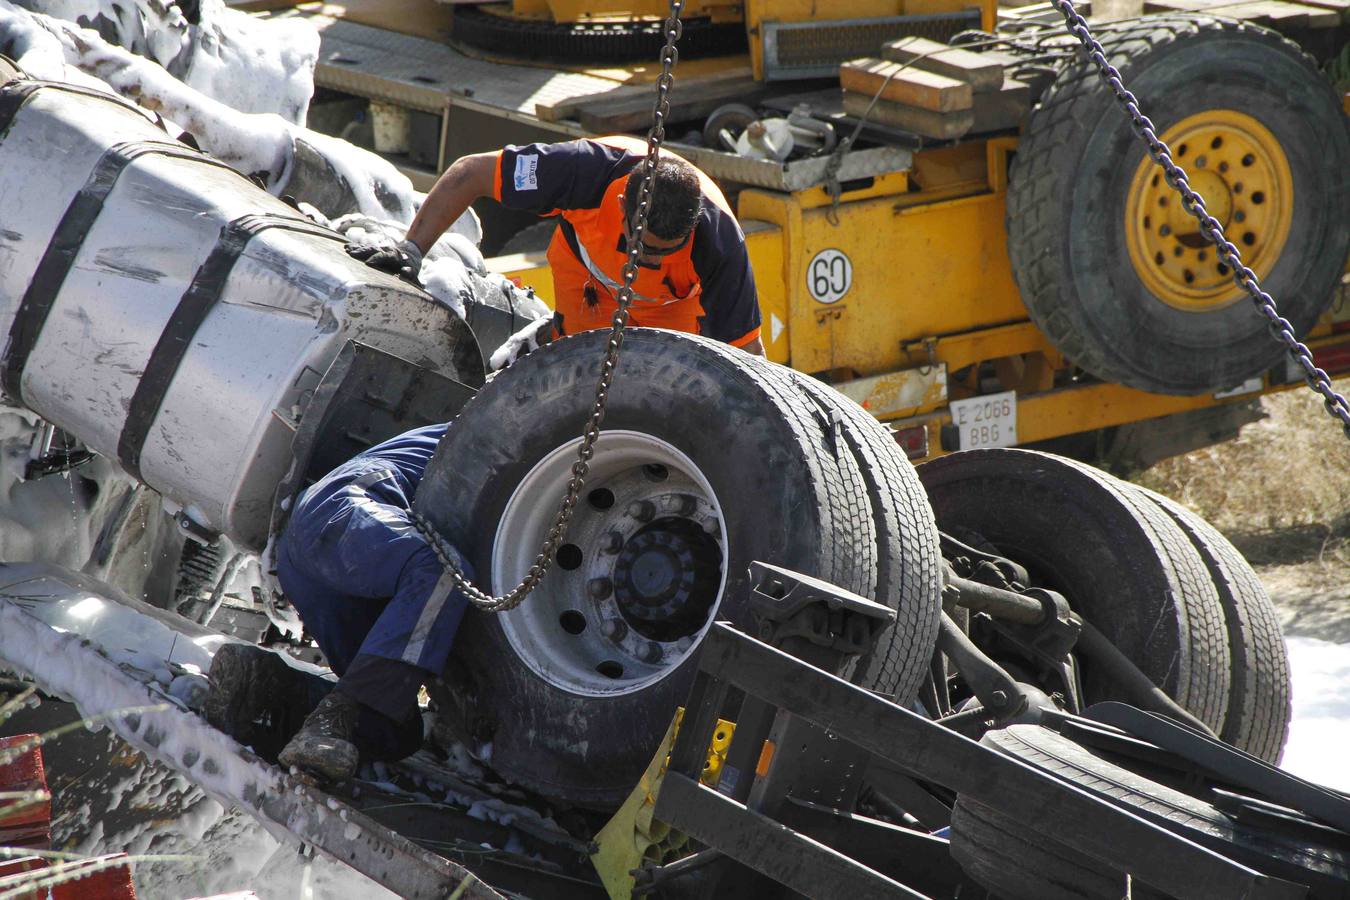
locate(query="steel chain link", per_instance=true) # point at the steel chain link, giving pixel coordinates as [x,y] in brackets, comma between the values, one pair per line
[1209,226]
[672,29]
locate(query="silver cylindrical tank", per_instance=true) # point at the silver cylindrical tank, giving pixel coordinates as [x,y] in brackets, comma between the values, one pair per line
[170,314]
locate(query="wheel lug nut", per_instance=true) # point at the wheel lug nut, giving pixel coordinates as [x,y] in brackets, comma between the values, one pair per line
[600,588]
[612,542]
[652,653]
[642,510]
[615,629]
[686,505]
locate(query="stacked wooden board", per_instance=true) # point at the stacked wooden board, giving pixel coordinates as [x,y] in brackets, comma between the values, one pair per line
[1277,14]
[933,90]
[1281,15]
[629,107]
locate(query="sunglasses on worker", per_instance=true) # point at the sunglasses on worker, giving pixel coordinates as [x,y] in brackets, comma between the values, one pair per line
[648,250]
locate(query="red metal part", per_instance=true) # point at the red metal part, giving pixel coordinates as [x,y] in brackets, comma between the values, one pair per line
[30,825]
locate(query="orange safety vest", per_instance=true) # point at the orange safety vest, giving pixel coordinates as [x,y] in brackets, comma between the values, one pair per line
[587,258]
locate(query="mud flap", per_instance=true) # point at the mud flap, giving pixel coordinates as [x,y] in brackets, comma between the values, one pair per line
[627,838]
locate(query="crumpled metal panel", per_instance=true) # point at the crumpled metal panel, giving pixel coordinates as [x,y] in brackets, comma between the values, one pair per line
[797,175]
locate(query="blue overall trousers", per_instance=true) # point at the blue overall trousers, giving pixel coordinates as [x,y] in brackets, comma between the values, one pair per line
[364,580]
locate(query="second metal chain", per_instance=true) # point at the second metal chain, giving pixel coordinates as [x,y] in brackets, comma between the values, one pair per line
[672,29]
[1244,277]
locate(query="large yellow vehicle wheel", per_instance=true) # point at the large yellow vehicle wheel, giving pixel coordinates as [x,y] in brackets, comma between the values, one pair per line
[1111,266]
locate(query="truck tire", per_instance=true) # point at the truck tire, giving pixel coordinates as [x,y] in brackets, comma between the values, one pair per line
[1119,560]
[1108,264]
[577,685]
[996,852]
[909,564]
[1259,703]
[1019,859]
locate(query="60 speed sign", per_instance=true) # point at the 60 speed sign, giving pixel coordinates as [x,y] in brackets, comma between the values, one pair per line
[829,275]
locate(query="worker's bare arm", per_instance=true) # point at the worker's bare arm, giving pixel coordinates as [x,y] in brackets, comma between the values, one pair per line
[467,179]
[754,348]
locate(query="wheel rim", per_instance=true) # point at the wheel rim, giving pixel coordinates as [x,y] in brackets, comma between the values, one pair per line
[1238,166]
[639,578]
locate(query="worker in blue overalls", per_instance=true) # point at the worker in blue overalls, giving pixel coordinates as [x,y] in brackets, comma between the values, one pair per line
[375,598]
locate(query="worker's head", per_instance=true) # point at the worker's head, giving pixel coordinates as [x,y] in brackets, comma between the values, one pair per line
[677,198]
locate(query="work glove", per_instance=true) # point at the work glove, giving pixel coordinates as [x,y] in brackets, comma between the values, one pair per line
[536,334]
[403,259]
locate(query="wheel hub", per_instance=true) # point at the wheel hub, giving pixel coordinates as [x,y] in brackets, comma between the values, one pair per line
[666,578]
[639,578]
[1240,170]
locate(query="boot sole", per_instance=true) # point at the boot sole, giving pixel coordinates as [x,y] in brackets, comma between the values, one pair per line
[328,758]
[243,682]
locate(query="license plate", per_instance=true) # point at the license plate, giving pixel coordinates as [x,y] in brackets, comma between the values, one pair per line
[988,421]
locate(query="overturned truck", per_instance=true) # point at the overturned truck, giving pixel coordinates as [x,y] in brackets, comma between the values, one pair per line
[215,351]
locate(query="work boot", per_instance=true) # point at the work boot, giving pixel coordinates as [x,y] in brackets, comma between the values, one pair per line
[324,744]
[251,689]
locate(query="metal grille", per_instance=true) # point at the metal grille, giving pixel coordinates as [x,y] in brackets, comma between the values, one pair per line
[815,49]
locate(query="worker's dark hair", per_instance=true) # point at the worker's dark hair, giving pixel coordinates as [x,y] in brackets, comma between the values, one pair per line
[677,198]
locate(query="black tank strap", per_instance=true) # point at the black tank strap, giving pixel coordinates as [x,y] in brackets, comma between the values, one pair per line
[18,91]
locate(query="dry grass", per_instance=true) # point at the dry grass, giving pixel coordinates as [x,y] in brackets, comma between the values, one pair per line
[1287,473]
[1281,493]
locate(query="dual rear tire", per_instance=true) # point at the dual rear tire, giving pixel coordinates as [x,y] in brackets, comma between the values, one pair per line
[1159,582]
[709,459]
[1169,591]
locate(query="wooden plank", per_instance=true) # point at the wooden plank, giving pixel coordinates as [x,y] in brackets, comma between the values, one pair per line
[1264,12]
[1274,13]
[1321,17]
[1002,109]
[603,116]
[1341,7]
[1302,15]
[926,122]
[1154,6]
[975,69]
[912,87]
[566,107]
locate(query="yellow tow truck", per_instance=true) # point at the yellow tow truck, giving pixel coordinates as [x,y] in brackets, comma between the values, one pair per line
[970,291]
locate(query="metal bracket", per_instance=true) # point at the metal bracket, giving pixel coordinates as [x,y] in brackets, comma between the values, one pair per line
[1085,821]
[967,561]
[789,605]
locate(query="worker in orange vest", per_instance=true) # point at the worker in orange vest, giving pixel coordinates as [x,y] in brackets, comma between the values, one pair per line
[694,273]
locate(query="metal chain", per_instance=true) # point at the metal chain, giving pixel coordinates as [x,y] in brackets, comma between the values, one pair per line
[1243,277]
[672,29]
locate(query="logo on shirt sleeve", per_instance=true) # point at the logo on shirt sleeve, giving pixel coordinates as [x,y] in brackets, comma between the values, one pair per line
[527,172]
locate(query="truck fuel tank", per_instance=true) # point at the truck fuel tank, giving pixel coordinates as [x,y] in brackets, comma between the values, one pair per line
[171,314]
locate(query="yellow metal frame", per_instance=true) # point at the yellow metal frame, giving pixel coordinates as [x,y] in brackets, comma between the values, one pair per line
[932,305]
[928,256]
[600,10]
[932,289]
